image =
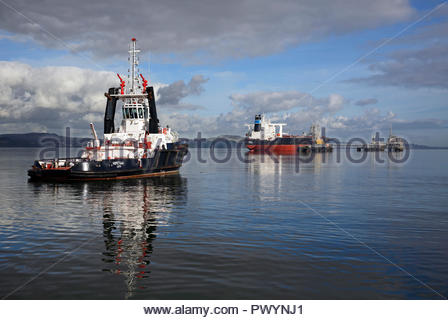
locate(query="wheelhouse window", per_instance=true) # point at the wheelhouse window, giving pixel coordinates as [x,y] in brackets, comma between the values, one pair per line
[135,113]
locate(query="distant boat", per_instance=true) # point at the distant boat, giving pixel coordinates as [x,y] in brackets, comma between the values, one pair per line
[138,148]
[376,144]
[264,136]
[394,143]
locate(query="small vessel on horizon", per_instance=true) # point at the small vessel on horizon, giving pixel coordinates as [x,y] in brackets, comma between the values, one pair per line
[264,136]
[138,148]
[376,144]
[393,144]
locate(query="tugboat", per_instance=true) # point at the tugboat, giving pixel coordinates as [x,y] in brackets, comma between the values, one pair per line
[264,136]
[138,148]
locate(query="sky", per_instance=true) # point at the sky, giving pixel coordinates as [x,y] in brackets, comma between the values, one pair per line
[356,67]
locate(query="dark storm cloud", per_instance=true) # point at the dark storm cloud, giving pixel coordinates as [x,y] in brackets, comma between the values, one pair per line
[366,102]
[196,29]
[173,93]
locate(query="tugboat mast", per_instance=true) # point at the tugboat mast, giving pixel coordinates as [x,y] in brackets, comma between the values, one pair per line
[133,64]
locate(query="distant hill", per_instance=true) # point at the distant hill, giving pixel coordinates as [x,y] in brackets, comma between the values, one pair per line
[34,139]
[219,142]
[420,146]
[233,141]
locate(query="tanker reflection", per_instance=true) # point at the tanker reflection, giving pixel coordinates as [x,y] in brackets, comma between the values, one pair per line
[130,211]
[277,164]
[268,171]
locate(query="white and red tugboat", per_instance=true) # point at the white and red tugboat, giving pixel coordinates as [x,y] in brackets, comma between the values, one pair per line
[138,148]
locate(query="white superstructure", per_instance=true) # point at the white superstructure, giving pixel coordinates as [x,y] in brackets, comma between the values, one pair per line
[263,129]
[395,143]
[133,138]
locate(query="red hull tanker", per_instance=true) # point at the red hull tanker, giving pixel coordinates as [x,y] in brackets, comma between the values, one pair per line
[281,149]
[264,137]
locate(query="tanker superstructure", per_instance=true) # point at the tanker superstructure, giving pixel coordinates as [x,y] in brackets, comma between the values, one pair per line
[265,136]
[138,148]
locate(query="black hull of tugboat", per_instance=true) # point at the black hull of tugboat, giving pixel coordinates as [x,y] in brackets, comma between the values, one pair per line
[164,162]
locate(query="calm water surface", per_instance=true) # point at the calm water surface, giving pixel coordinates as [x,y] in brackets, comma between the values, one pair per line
[236,230]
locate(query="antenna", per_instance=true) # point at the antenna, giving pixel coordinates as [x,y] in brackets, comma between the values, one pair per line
[133,65]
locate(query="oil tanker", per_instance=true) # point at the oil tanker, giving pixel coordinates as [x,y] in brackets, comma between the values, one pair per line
[264,136]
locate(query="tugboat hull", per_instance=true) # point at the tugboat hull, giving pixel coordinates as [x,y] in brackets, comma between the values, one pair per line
[164,162]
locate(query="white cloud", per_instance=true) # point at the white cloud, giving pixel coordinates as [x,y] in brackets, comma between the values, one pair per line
[67,89]
[93,117]
[265,101]
[54,97]
[298,109]
[298,120]
[269,101]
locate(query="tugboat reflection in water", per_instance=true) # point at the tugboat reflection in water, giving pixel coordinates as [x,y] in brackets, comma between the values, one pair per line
[130,212]
[129,230]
